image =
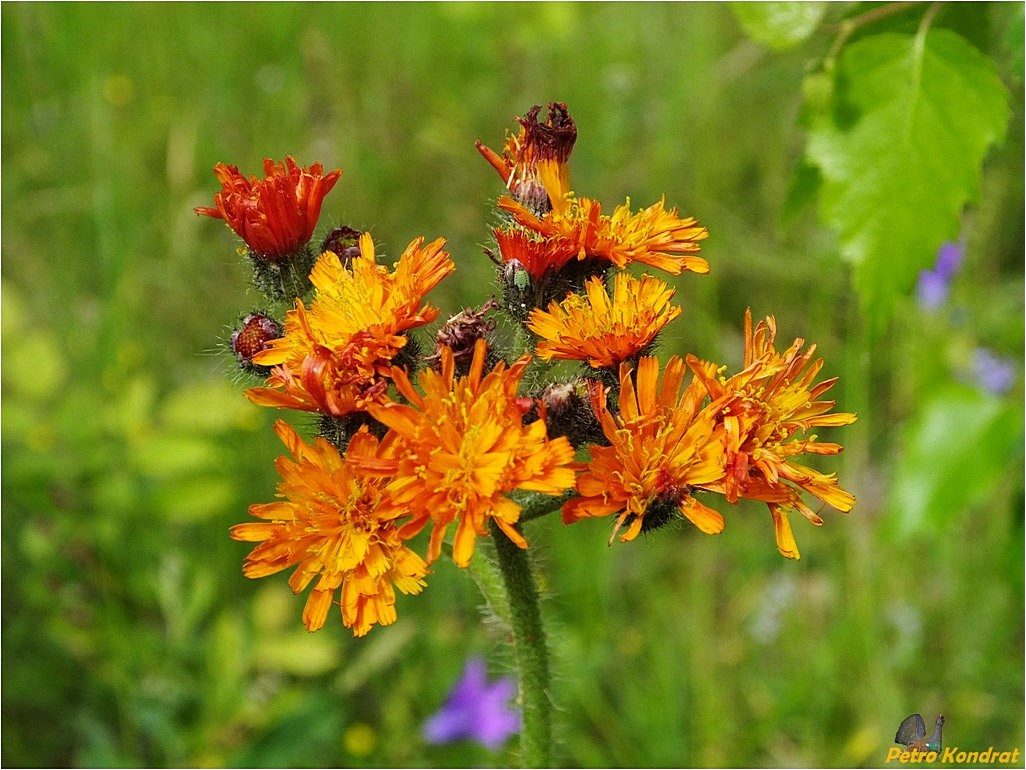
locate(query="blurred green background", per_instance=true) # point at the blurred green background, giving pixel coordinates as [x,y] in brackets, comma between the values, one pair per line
[130,636]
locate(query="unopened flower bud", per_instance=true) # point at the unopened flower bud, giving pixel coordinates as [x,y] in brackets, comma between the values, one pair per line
[461,333]
[249,339]
[345,242]
[659,513]
[340,430]
[568,413]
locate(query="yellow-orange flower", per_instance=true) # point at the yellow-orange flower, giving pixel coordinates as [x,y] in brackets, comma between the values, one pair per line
[766,410]
[276,215]
[338,355]
[602,330]
[462,446]
[336,524]
[661,445]
[576,227]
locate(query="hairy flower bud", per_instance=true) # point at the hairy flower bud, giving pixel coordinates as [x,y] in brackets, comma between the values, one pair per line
[461,333]
[345,242]
[568,412]
[249,339]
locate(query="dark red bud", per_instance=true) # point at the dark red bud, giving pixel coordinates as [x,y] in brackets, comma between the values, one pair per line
[345,242]
[256,331]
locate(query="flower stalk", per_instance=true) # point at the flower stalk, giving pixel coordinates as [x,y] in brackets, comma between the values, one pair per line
[530,651]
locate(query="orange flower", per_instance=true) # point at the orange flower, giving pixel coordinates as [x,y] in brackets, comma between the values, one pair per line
[536,255]
[605,331]
[337,355]
[575,227]
[525,155]
[275,216]
[336,524]
[763,409]
[462,446]
[661,445]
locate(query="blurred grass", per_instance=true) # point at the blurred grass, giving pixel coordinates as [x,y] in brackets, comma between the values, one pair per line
[129,635]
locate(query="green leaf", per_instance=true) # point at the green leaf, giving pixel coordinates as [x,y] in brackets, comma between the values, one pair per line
[1013,39]
[957,448]
[802,193]
[900,154]
[779,25]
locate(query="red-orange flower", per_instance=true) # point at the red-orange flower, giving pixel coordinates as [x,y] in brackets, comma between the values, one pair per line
[462,446]
[661,445]
[275,215]
[337,355]
[336,524]
[535,254]
[766,410]
[602,330]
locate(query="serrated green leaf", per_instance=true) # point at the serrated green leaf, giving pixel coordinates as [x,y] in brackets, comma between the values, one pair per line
[900,154]
[779,25]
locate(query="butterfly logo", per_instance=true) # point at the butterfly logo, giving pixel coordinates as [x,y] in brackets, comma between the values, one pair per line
[912,733]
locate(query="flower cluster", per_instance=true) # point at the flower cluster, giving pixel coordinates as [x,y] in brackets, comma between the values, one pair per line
[458,438]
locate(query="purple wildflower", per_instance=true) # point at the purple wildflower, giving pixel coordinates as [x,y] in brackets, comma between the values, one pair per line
[932,288]
[949,258]
[475,710]
[993,373]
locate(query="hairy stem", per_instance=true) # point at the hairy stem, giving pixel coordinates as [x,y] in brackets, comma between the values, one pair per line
[535,505]
[530,651]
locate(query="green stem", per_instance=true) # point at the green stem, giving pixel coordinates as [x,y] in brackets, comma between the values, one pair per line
[523,340]
[530,651]
[534,505]
[850,26]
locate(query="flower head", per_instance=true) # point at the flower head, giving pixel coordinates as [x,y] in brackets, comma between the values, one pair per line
[539,148]
[462,446]
[276,215]
[765,411]
[337,355]
[476,710]
[602,330]
[576,228]
[540,257]
[337,526]
[661,445]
